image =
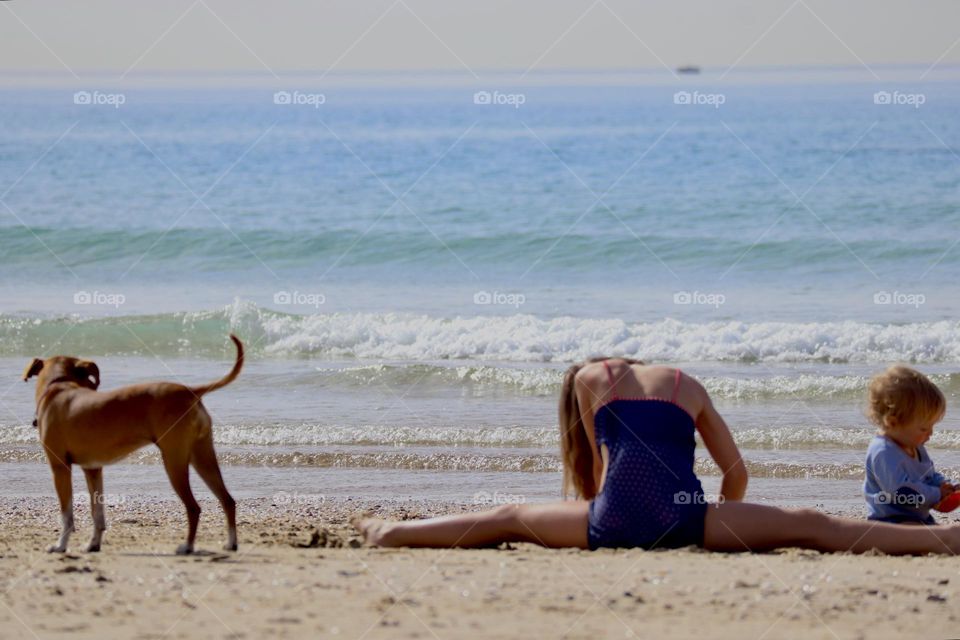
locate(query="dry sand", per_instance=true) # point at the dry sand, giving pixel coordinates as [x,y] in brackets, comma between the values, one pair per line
[300,572]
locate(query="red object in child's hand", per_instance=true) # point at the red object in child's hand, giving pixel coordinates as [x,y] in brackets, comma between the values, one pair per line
[949,503]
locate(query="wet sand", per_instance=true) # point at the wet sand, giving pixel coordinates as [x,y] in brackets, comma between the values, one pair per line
[301,572]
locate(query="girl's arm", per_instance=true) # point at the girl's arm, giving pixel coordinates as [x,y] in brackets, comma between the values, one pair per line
[719,442]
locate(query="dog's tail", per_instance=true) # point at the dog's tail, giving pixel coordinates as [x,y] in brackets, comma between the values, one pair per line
[227,379]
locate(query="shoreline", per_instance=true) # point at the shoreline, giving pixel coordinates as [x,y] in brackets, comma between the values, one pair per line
[464,489]
[326,584]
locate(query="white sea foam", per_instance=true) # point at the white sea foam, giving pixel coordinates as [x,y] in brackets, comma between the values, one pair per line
[505,338]
[525,338]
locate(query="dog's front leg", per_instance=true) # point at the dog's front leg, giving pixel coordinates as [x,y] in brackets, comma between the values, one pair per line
[95,487]
[63,482]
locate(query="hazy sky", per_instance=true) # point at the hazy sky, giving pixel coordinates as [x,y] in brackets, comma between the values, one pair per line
[240,35]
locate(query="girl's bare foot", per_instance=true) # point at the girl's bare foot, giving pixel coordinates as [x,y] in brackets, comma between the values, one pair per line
[374,530]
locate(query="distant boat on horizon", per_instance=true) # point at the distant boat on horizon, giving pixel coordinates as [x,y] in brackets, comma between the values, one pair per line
[689,68]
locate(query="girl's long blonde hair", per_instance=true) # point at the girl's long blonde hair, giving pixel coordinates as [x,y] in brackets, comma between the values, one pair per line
[575,450]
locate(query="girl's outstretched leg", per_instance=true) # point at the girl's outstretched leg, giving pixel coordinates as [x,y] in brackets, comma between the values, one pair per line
[558,524]
[741,526]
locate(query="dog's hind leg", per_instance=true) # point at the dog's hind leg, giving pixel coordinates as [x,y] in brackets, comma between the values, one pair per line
[178,470]
[63,482]
[95,487]
[204,460]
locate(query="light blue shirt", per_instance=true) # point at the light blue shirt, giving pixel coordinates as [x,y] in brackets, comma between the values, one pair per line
[899,487]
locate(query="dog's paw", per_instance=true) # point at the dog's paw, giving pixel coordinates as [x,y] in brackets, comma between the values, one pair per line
[184,550]
[230,546]
[56,548]
[93,548]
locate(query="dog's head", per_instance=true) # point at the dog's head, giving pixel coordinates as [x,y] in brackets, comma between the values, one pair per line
[63,369]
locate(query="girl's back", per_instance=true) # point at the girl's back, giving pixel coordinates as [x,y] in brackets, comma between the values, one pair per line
[649,495]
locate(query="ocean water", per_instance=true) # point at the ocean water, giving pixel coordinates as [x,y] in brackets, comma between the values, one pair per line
[412,271]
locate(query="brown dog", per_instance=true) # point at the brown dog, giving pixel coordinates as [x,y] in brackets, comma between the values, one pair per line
[80,425]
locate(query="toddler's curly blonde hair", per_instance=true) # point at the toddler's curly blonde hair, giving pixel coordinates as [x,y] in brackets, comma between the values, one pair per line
[900,395]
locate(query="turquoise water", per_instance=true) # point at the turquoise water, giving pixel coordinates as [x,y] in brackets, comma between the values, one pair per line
[416,199]
[412,271]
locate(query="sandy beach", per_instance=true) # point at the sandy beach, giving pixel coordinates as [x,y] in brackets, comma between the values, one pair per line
[301,571]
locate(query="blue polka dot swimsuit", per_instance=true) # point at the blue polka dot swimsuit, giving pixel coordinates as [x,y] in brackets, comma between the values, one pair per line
[651,496]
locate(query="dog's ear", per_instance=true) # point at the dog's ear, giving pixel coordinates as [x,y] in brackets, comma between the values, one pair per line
[85,369]
[32,369]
